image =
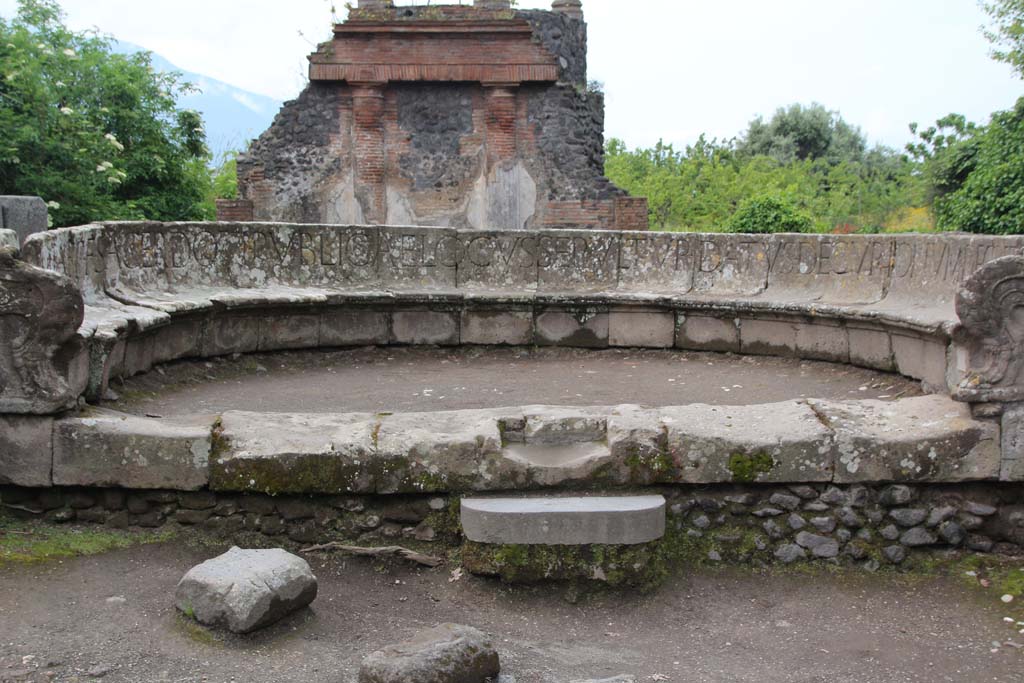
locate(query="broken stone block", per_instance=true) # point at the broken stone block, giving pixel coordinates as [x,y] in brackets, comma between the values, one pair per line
[448,653]
[923,439]
[106,448]
[246,590]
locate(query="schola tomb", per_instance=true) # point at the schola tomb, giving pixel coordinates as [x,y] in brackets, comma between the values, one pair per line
[495,143]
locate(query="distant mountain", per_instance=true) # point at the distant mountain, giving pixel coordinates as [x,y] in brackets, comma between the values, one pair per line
[233,116]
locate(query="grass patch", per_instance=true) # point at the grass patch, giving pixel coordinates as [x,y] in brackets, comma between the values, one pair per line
[30,541]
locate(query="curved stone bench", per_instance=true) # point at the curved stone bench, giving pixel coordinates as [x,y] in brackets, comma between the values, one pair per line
[157,292]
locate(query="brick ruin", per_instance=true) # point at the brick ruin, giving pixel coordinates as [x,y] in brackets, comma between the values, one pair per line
[475,117]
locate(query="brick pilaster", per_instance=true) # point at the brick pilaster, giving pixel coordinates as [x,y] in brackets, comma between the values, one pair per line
[501,122]
[368,134]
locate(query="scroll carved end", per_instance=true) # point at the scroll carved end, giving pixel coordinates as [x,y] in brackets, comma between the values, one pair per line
[991,309]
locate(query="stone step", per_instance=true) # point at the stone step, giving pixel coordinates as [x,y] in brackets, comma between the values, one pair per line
[590,520]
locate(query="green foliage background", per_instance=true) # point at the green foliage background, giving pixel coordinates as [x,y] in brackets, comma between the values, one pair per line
[96,134]
[99,136]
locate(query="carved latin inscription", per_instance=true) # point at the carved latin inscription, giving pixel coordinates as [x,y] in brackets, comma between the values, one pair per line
[40,311]
[991,310]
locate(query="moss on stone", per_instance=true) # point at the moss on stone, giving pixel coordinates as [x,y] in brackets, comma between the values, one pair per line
[634,566]
[748,468]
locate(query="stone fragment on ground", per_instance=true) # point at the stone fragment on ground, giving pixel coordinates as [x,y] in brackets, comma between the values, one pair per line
[448,653]
[246,590]
[617,679]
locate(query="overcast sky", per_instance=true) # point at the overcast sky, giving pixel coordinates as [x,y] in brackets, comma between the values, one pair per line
[672,69]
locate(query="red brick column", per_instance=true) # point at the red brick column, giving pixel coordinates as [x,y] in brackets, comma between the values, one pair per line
[501,122]
[368,134]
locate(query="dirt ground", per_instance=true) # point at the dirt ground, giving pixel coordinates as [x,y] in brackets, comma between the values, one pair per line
[426,379]
[111,615]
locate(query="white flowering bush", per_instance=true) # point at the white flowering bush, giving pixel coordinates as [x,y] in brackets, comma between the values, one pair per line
[96,134]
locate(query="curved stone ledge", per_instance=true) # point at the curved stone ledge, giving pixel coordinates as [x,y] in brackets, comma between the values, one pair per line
[926,439]
[929,439]
[157,292]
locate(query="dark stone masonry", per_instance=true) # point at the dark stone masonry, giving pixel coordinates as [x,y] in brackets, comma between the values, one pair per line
[446,115]
[868,526]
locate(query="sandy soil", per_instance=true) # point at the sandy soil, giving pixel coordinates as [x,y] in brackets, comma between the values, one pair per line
[111,614]
[424,379]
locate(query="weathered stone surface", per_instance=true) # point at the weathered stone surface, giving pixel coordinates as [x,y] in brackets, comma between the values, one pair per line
[246,590]
[448,653]
[1013,443]
[581,327]
[26,450]
[106,448]
[40,313]
[703,333]
[9,240]
[23,215]
[930,438]
[425,327]
[650,329]
[781,442]
[514,328]
[294,453]
[923,359]
[596,520]
[991,309]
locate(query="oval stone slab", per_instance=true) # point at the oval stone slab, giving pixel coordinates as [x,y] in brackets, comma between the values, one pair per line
[246,590]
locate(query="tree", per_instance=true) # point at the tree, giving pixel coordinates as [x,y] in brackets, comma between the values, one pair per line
[1007,32]
[977,172]
[803,133]
[96,134]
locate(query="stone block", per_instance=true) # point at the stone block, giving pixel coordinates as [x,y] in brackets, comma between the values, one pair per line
[228,333]
[509,327]
[289,331]
[114,449]
[180,339]
[581,328]
[704,333]
[448,653]
[733,265]
[923,439]
[768,337]
[770,443]
[295,453]
[419,258]
[354,327]
[425,327]
[1013,443]
[578,260]
[498,260]
[26,450]
[821,341]
[835,269]
[657,262]
[871,349]
[246,590]
[592,520]
[24,215]
[923,359]
[138,354]
[652,329]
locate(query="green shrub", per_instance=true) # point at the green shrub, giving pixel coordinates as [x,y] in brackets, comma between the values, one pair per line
[769,213]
